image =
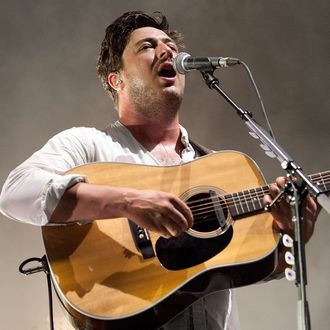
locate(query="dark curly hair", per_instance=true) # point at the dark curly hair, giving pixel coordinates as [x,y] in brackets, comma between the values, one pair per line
[116,38]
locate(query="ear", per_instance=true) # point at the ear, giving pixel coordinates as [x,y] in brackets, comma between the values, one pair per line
[114,80]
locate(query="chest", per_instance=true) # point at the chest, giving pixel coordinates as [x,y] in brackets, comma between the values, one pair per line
[166,154]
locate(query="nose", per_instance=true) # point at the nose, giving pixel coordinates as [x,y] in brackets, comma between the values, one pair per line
[163,51]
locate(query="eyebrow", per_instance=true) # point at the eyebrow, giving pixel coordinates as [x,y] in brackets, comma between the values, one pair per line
[151,39]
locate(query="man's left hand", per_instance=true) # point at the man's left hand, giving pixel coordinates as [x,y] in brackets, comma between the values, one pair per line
[281,211]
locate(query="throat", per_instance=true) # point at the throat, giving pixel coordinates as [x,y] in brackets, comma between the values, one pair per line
[167,155]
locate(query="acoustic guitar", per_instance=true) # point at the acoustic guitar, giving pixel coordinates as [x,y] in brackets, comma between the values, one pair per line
[112,274]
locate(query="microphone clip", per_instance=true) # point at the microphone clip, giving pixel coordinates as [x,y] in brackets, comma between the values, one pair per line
[209,78]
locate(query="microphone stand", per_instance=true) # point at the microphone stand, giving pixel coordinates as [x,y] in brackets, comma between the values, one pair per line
[296,189]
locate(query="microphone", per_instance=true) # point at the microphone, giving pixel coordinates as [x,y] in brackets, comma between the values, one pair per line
[184,63]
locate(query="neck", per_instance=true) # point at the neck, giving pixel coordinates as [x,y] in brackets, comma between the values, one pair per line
[153,121]
[152,132]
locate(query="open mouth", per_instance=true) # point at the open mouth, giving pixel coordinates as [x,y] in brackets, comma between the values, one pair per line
[167,71]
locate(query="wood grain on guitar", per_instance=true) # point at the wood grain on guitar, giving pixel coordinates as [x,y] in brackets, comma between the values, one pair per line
[103,280]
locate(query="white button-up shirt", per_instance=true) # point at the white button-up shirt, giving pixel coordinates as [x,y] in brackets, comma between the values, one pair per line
[33,190]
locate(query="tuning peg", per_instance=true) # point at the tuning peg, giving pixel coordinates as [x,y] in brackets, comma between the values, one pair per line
[289,258]
[290,274]
[287,240]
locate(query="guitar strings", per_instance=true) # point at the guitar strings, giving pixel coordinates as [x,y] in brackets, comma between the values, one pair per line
[229,200]
[249,195]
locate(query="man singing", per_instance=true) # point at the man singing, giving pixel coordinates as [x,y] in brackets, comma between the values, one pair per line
[135,67]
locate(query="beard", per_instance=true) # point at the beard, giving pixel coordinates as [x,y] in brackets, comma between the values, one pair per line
[153,103]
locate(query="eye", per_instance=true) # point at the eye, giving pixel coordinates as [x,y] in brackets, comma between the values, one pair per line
[173,47]
[146,46]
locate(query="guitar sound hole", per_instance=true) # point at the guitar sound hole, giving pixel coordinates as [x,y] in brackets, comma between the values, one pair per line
[204,207]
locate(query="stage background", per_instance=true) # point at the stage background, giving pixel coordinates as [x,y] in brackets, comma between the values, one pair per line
[48,83]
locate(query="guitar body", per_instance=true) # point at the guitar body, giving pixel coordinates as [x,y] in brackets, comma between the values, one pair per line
[103,280]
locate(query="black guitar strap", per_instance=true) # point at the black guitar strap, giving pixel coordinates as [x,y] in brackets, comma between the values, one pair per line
[199,149]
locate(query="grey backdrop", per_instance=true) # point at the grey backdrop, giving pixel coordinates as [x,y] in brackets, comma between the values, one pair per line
[48,52]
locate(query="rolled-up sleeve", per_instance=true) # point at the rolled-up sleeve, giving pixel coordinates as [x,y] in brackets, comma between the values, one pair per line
[33,189]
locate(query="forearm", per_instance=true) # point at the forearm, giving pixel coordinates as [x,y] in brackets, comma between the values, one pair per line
[88,202]
[157,211]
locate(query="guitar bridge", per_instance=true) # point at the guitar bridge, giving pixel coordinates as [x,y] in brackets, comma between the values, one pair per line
[142,240]
[218,208]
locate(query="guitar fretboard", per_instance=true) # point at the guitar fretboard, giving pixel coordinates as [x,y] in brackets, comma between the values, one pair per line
[246,201]
[250,201]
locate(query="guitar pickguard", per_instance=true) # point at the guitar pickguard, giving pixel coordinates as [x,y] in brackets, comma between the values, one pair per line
[185,251]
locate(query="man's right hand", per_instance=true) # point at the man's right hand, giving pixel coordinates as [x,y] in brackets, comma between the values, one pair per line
[158,211]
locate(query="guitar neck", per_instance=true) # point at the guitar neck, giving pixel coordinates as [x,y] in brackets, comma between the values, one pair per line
[251,200]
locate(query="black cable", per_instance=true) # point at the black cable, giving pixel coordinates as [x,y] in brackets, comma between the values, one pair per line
[43,267]
[259,98]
